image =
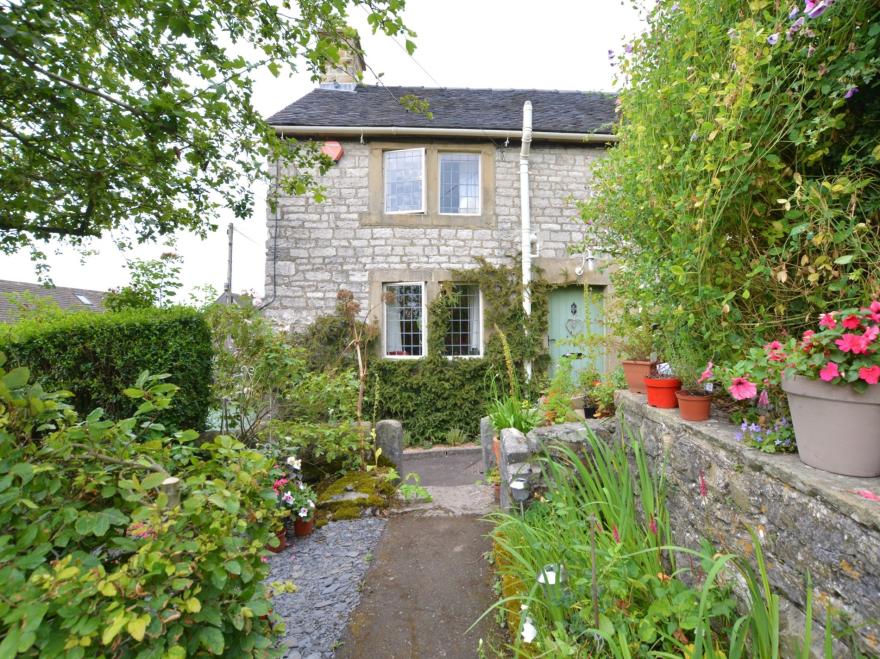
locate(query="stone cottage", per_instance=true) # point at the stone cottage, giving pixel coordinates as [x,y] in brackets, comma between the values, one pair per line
[412,197]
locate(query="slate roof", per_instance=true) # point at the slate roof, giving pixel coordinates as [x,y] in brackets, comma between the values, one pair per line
[487,109]
[66,298]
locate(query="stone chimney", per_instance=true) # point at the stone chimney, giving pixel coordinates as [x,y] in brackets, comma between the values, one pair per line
[347,72]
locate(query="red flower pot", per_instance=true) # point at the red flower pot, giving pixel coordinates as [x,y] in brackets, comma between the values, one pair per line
[635,371]
[282,542]
[661,391]
[694,407]
[303,528]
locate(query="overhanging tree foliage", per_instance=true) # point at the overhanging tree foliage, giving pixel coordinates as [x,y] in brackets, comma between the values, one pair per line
[137,114]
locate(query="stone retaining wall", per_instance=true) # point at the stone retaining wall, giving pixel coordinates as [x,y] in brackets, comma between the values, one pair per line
[809,521]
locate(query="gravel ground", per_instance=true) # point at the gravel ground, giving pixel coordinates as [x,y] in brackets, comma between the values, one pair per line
[327,568]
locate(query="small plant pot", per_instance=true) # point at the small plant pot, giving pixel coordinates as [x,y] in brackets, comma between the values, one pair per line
[836,428]
[590,410]
[496,449]
[635,372]
[661,392]
[303,528]
[694,406]
[282,542]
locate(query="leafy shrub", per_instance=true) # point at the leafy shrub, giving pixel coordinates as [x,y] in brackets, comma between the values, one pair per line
[743,196]
[259,374]
[325,449]
[94,558]
[95,356]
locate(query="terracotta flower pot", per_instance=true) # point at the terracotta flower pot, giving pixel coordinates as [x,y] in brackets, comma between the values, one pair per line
[282,542]
[303,528]
[661,391]
[836,428]
[694,407]
[635,372]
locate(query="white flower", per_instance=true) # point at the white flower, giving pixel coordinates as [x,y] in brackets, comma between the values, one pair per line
[294,462]
[529,631]
[311,504]
[303,512]
[301,486]
[287,498]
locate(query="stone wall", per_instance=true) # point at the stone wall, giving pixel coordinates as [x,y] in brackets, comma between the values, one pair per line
[323,247]
[809,521]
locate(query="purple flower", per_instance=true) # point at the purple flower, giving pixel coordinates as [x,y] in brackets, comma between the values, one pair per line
[816,9]
[628,48]
[610,54]
[674,7]
[738,436]
[773,39]
[811,50]
[852,91]
[792,14]
[755,428]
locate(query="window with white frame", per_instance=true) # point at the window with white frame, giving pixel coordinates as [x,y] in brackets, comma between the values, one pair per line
[404,175]
[464,335]
[459,183]
[404,316]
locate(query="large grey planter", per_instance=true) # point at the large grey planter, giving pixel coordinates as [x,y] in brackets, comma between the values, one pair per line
[836,428]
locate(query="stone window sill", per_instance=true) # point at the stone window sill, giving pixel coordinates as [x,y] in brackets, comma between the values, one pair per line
[436,220]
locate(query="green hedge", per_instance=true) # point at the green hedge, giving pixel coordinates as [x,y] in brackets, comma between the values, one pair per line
[96,356]
[432,396]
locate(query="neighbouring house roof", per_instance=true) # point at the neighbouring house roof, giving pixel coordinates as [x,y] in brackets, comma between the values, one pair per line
[476,109]
[69,299]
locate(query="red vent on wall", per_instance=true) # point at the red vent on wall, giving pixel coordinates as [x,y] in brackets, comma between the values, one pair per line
[333,150]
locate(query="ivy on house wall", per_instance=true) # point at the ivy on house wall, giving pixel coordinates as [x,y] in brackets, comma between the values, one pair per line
[434,395]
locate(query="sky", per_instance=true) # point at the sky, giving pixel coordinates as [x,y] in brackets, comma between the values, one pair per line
[503,44]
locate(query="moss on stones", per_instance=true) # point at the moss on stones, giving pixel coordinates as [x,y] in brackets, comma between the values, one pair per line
[348,496]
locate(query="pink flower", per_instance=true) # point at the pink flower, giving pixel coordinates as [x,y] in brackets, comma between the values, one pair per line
[764,399]
[615,534]
[742,389]
[827,321]
[829,372]
[279,484]
[707,374]
[852,322]
[871,334]
[652,525]
[875,311]
[773,345]
[805,339]
[870,374]
[854,343]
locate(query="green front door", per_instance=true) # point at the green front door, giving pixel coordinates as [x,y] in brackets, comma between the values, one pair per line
[568,327]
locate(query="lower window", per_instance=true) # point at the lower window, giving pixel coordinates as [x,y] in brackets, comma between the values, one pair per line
[404,315]
[464,334]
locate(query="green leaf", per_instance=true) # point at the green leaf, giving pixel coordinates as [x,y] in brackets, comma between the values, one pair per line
[234,567]
[153,480]
[211,639]
[137,627]
[844,260]
[17,377]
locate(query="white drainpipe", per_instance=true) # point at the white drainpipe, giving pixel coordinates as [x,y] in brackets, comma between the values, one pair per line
[525,207]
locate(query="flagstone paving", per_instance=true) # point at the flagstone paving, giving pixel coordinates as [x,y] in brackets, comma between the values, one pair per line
[430,581]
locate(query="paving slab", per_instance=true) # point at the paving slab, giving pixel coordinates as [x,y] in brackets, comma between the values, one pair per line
[445,467]
[428,584]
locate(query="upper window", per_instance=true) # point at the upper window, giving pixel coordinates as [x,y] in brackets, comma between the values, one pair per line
[404,315]
[464,334]
[405,181]
[460,183]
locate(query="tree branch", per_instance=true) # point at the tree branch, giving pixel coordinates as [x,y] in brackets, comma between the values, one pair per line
[70,83]
[103,457]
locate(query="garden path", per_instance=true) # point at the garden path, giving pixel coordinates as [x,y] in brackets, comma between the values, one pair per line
[429,581]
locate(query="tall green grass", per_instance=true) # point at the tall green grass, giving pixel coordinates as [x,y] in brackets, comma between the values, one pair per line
[627,590]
